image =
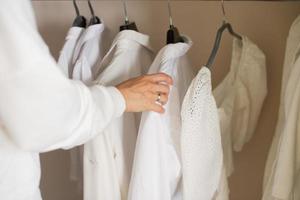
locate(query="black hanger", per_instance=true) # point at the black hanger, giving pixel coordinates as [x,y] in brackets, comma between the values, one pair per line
[94,19]
[79,21]
[128,25]
[225,26]
[173,35]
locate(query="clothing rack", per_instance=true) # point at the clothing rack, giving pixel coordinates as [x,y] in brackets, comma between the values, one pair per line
[183,0]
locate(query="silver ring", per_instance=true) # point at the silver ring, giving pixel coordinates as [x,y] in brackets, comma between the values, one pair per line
[158,98]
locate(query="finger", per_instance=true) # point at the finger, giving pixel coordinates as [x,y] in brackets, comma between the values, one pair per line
[162,98]
[160,88]
[161,77]
[155,107]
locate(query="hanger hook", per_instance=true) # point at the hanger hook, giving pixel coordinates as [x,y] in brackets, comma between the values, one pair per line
[170,14]
[76,8]
[223,11]
[91,8]
[125,12]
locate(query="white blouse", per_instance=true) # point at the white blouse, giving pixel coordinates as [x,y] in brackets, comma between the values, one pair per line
[201,148]
[108,158]
[157,167]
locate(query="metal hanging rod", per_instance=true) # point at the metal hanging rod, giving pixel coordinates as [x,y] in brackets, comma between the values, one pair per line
[182,0]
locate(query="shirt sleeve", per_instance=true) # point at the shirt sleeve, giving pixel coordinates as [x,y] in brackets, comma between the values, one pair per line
[40,108]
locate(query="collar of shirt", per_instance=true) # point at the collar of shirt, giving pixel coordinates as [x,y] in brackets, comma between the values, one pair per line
[74,33]
[133,36]
[125,40]
[170,52]
[90,32]
[93,31]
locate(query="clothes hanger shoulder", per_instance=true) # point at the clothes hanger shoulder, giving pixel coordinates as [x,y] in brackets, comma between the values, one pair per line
[173,36]
[129,26]
[80,21]
[225,26]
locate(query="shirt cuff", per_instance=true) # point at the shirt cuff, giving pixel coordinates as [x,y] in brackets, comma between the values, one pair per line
[118,100]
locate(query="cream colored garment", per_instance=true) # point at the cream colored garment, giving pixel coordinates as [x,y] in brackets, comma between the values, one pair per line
[288,153]
[108,158]
[40,109]
[240,97]
[201,147]
[291,55]
[157,171]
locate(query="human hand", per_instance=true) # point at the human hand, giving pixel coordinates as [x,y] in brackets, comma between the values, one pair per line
[146,93]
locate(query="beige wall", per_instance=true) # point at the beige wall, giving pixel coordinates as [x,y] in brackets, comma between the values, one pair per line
[266,23]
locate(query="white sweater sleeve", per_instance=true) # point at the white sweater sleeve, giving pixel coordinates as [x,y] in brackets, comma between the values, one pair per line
[40,108]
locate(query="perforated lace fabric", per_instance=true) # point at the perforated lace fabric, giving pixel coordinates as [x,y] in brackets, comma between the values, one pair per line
[201,149]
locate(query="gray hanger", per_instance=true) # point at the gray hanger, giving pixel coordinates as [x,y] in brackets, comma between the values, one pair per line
[225,26]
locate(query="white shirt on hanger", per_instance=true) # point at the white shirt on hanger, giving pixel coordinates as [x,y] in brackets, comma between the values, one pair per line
[291,55]
[108,158]
[40,109]
[65,60]
[89,51]
[201,147]
[157,172]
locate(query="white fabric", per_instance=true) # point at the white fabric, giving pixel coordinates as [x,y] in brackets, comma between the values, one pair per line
[291,55]
[90,51]
[288,163]
[201,147]
[156,172]
[239,98]
[65,60]
[286,173]
[108,158]
[40,109]
[223,188]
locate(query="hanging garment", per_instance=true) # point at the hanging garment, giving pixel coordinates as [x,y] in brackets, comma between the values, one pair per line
[291,55]
[65,60]
[90,53]
[240,97]
[201,147]
[108,158]
[239,104]
[222,192]
[40,109]
[286,172]
[157,172]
